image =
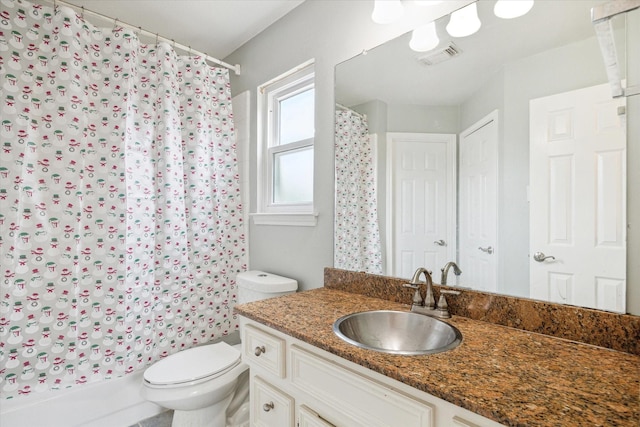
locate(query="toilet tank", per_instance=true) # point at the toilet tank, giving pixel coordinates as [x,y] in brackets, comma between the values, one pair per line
[257,285]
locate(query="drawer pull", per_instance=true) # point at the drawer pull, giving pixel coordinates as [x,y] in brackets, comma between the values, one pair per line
[259,350]
[267,406]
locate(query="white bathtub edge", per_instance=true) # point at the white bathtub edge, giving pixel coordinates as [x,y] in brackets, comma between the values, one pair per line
[115,402]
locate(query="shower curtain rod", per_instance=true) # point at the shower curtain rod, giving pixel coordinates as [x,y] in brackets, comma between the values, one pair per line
[234,68]
[343,107]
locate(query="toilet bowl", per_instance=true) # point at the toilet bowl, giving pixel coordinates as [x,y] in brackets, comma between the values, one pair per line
[205,386]
[208,385]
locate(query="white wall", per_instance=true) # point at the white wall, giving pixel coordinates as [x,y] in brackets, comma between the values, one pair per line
[331,31]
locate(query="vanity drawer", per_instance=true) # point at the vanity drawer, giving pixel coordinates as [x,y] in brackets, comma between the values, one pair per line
[308,418]
[264,350]
[270,407]
[364,401]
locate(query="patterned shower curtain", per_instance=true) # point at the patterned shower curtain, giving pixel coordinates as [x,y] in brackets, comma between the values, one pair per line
[121,228]
[357,237]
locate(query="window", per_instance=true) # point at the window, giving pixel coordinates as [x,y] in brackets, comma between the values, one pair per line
[286,111]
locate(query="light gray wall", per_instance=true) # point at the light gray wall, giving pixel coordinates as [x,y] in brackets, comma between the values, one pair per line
[329,31]
[423,119]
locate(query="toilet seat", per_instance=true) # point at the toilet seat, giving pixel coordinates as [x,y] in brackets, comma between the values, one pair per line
[193,366]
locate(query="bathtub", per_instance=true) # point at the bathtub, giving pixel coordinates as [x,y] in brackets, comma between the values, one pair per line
[110,403]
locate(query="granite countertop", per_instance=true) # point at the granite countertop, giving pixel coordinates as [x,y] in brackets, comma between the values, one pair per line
[514,377]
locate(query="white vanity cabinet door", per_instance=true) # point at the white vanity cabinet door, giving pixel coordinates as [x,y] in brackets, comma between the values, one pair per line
[308,418]
[270,407]
[265,350]
[364,402]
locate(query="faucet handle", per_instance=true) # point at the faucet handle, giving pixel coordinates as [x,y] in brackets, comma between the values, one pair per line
[443,307]
[417,298]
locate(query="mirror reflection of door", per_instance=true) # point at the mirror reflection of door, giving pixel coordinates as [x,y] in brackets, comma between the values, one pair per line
[578,194]
[478,194]
[422,202]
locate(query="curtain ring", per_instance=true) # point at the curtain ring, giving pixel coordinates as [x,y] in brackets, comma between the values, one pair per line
[115,23]
[82,13]
[157,40]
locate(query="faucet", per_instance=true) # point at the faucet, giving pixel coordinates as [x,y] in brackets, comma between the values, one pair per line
[415,283]
[427,305]
[445,271]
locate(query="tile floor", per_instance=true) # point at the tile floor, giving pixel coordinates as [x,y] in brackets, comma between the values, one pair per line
[161,420]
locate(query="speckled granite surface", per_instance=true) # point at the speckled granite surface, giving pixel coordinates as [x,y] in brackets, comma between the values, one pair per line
[610,330]
[514,377]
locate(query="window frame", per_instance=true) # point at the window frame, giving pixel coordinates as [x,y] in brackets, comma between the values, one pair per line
[270,95]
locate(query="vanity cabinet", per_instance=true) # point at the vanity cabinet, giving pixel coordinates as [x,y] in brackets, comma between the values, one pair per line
[296,384]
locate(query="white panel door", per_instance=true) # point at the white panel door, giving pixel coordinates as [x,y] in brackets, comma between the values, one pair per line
[421,204]
[578,197]
[478,200]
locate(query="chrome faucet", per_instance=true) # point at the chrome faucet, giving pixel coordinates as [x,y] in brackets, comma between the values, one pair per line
[445,271]
[427,305]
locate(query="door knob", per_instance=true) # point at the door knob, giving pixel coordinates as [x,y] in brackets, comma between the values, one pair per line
[488,249]
[440,242]
[541,257]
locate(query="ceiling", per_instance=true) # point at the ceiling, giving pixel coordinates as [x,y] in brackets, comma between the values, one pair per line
[214,27]
[393,74]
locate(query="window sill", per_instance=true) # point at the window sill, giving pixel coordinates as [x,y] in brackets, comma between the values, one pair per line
[289,219]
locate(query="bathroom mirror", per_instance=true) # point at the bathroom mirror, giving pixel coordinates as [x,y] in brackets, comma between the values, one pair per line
[491,77]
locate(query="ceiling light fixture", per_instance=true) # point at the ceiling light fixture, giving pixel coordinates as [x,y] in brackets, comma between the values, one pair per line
[464,22]
[508,9]
[387,11]
[424,38]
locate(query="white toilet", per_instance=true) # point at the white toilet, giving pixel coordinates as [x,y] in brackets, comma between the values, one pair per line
[208,385]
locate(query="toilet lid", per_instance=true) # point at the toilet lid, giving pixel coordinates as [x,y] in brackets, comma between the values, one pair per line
[193,364]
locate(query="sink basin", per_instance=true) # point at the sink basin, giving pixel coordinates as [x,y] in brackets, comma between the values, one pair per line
[397,332]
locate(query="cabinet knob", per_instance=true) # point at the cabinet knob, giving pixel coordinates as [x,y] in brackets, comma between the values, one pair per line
[268,406]
[259,350]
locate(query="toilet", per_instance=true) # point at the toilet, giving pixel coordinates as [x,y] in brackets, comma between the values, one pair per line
[208,385]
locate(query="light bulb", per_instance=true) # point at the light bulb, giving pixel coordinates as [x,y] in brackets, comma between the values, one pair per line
[464,22]
[424,38]
[387,11]
[508,9]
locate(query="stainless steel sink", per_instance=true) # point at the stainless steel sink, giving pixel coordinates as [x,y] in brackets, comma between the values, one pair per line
[397,332]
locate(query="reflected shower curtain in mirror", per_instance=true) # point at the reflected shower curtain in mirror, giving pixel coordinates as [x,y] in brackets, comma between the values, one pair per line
[121,228]
[357,237]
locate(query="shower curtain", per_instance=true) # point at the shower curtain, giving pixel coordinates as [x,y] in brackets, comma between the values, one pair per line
[357,237]
[121,228]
